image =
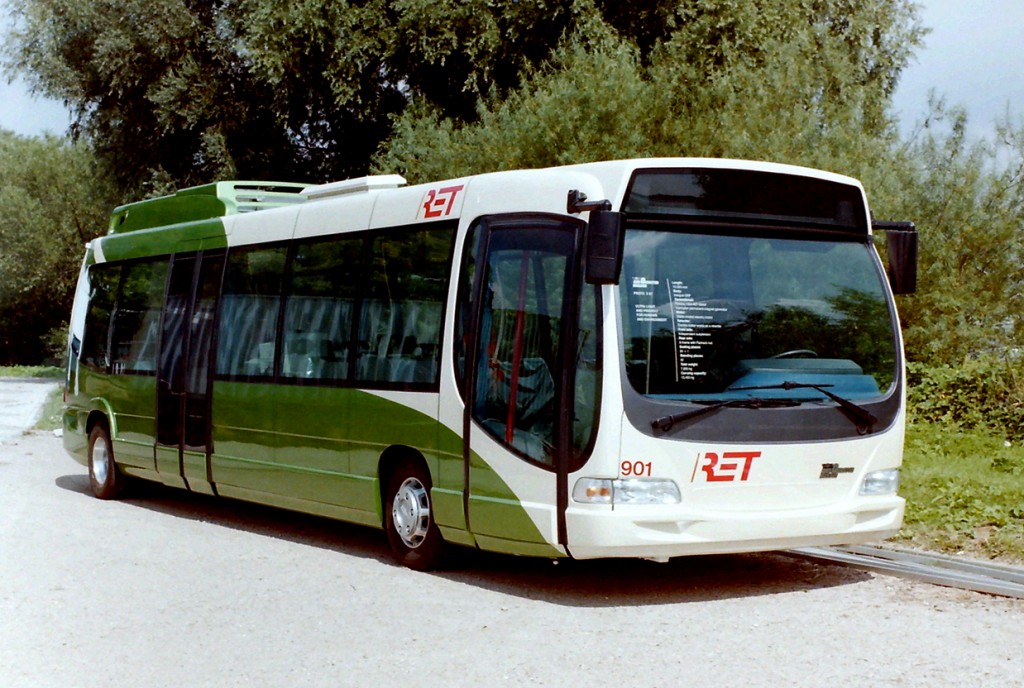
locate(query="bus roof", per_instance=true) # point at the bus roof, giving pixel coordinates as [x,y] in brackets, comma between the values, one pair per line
[515,190]
[204,202]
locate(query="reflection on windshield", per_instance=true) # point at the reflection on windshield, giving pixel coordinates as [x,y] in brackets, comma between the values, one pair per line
[703,314]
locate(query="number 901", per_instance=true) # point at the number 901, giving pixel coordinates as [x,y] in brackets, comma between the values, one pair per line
[635,468]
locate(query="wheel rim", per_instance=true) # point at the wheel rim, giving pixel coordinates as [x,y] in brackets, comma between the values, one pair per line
[100,462]
[410,512]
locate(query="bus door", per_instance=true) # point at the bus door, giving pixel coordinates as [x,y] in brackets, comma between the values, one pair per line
[184,383]
[518,380]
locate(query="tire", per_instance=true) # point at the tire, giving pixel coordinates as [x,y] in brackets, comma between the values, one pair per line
[409,519]
[106,481]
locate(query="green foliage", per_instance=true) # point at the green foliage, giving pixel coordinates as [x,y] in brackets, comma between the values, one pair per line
[53,199]
[31,371]
[188,92]
[52,416]
[968,203]
[374,54]
[157,86]
[793,82]
[984,393]
[563,114]
[964,492]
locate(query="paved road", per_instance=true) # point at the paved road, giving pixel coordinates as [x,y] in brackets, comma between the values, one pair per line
[20,405]
[169,589]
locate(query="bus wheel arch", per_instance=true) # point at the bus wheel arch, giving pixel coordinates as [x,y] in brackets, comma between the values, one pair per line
[105,479]
[96,418]
[407,507]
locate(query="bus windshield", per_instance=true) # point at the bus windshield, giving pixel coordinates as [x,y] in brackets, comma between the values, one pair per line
[718,317]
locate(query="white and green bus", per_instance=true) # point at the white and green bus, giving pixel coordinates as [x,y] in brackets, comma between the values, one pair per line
[641,358]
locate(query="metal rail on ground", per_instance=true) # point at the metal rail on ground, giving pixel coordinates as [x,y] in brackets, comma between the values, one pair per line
[938,569]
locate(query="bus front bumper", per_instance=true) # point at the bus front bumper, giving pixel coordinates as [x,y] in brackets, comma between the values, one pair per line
[649,532]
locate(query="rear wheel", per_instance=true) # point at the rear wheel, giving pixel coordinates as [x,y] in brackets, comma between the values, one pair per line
[409,519]
[103,475]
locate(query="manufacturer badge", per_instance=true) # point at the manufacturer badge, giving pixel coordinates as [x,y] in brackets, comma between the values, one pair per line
[832,470]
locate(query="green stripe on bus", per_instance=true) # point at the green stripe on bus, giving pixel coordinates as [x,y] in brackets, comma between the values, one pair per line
[192,236]
[322,445]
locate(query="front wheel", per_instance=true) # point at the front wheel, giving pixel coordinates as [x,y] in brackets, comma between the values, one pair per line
[409,520]
[104,477]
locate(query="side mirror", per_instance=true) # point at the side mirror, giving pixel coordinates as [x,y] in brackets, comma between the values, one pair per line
[901,245]
[604,245]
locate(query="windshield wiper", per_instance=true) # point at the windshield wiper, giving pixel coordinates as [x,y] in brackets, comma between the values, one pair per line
[665,423]
[860,416]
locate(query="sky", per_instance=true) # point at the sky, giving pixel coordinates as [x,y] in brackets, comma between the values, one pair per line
[973,58]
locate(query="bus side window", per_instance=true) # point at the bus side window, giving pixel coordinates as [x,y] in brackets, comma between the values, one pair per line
[318,311]
[400,321]
[103,281]
[464,311]
[136,328]
[247,334]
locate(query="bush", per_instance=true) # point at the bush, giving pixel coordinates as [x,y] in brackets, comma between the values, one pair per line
[985,392]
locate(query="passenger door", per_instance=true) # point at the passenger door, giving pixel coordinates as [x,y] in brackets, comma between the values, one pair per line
[184,441]
[518,379]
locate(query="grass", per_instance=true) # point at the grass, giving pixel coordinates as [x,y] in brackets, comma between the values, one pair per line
[49,372]
[51,418]
[964,492]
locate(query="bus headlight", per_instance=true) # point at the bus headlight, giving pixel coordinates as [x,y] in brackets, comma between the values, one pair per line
[631,491]
[881,482]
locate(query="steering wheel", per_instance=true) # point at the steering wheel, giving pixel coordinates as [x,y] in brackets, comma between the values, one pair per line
[797,352]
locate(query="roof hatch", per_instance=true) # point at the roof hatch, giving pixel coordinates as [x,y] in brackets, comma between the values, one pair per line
[353,186]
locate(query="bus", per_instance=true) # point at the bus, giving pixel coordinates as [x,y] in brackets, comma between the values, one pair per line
[640,358]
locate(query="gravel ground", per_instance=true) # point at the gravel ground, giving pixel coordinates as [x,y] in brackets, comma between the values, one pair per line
[171,589]
[21,402]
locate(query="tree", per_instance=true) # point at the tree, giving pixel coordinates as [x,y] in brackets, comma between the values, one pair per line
[799,82]
[176,92]
[52,201]
[967,200]
[157,86]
